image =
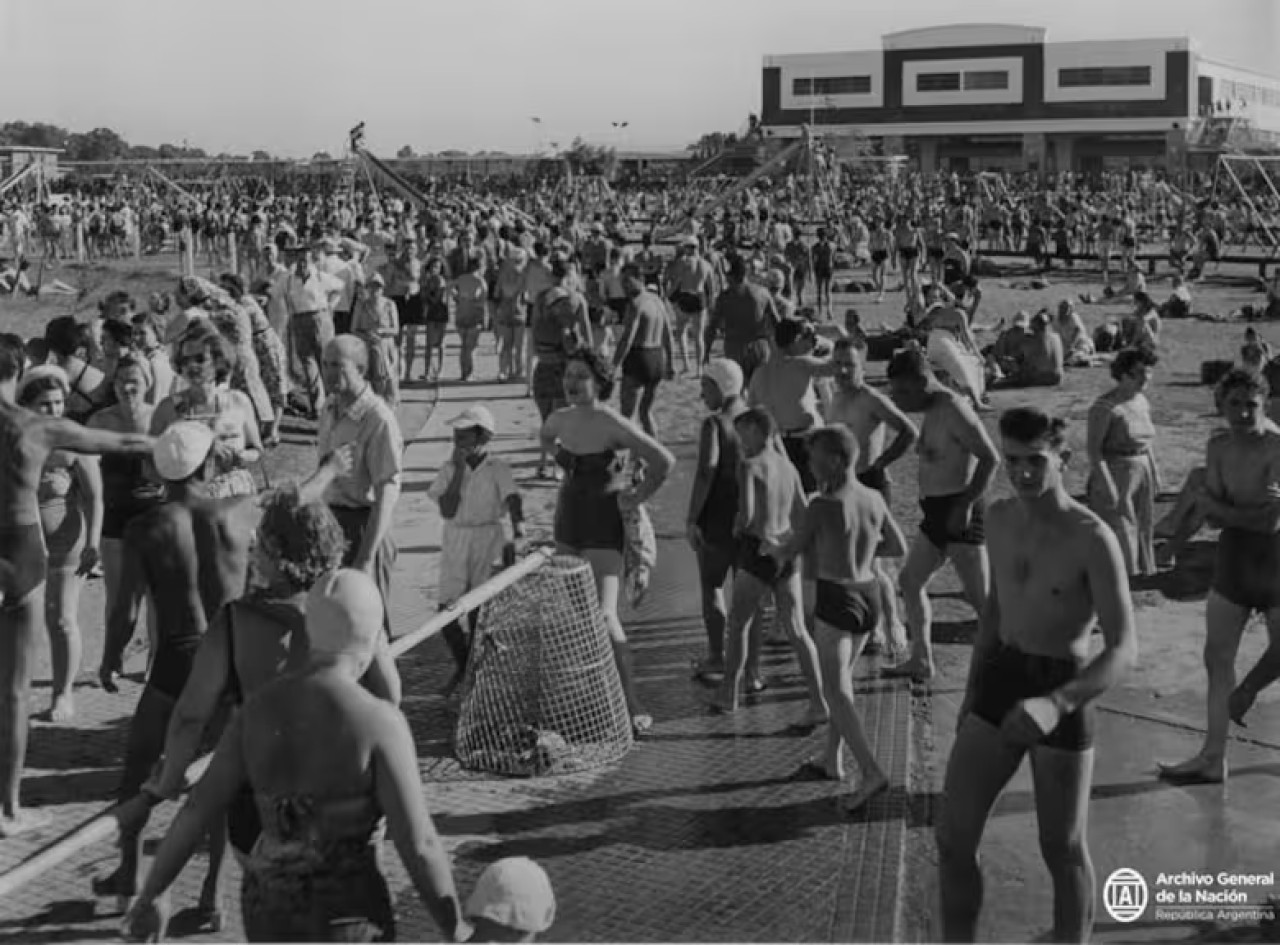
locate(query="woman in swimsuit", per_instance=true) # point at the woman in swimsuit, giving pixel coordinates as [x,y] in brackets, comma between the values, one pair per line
[327,762]
[845,528]
[589,439]
[205,359]
[70,494]
[69,343]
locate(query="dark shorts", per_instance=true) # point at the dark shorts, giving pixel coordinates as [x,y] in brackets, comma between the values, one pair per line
[908,252]
[412,310]
[548,387]
[822,274]
[762,567]
[1008,676]
[690,303]
[1247,569]
[935,253]
[23,563]
[644,367]
[618,306]
[878,256]
[849,610]
[1129,242]
[936,510]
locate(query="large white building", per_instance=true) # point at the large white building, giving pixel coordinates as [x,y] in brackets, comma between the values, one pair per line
[988,96]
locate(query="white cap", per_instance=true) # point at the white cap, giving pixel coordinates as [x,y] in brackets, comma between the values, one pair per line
[344,614]
[726,375]
[516,893]
[181,450]
[477,416]
[43,372]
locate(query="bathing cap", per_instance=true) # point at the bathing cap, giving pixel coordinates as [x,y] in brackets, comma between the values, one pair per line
[344,614]
[514,892]
[726,375]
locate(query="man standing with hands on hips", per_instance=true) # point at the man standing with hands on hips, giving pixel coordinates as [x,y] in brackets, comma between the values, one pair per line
[1056,568]
[364,500]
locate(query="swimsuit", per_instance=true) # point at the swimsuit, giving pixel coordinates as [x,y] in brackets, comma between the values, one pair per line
[645,367]
[848,609]
[1009,676]
[763,567]
[587,513]
[1247,569]
[303,885]
[934,525]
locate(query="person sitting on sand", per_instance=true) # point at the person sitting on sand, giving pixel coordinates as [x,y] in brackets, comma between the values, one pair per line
[1178,304]
[1134,282]
[1141,328]
[1038,360]
[1077,346]
[1002,357]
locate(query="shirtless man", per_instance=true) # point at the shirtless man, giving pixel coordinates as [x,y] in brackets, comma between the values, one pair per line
[1241,496]
[957,462]
[1031,682]
[690,285]
[26,440]
[869,414]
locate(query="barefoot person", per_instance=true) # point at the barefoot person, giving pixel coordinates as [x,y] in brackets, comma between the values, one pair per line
[27,440]
[846,526]
[957,462]
[771,504]
[869,415]
[326,762]
[1056,567]
[1242,497]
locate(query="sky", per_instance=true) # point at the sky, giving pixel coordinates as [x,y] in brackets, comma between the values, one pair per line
[292,76]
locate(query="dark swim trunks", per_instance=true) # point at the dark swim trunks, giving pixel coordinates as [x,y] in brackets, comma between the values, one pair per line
[933,525]
[23,565]
[845,608]
[1247,569]
[761,566]
[873,477]
[1008,676]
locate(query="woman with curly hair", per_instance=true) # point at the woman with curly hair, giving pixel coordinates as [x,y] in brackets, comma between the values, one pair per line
[590,440]
[70,494]
[206,362]
[256,639]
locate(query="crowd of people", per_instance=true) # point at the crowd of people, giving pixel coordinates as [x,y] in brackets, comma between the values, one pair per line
[133,442]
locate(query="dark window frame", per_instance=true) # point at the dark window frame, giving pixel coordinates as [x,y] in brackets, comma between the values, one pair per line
[939,82]
[1104,77]
[822,86]
[988,75]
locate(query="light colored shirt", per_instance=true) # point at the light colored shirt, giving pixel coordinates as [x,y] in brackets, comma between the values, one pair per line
[313,293]
[379,448]
[484,494]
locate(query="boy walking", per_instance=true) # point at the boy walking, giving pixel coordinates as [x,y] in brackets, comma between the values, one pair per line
[474,491]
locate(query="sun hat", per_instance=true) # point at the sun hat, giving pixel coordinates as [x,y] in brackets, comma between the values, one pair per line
[476,416]
[726,375]
[344,614]
[514,892]
[181,450]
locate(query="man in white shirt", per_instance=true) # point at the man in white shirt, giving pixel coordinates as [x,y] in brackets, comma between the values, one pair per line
[310,296]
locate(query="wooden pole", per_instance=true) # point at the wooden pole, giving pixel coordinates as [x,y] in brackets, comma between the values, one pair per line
[80,252]
[231,251]
[189,258]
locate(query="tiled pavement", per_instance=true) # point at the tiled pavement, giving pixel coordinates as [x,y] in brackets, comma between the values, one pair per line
[700,834]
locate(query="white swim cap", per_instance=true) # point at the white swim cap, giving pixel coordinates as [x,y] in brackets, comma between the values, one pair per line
[344,615]
[726,375]
[181,450]
[514,892]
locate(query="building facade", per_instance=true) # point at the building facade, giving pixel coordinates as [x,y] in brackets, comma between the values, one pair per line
[998,97]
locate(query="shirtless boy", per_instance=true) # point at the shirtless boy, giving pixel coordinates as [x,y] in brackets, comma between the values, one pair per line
[1056,567]
[771,504]
[869,414]
[845,528]
[26,440]
[1241,496]
[957,462]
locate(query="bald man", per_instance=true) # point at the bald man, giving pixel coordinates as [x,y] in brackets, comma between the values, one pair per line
[364,500]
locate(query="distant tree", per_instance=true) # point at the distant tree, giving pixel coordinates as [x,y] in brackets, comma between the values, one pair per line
[709,145]
[453,154]
[142,152]
[322,156]
[586,158]
[261,156]
[33,135]
[406,152]
[101,144]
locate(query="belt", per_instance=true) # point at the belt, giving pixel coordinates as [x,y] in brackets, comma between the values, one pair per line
[305,314]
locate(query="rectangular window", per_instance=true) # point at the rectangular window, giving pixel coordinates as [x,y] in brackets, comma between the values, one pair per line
[832,85]
[938,82]
[986,81]
[1104,76]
